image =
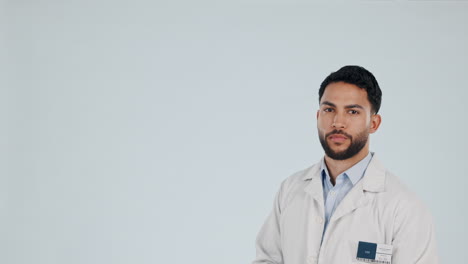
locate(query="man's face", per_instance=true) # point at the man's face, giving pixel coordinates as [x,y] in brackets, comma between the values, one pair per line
[344,120]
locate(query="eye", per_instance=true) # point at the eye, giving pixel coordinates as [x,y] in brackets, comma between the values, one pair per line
[328,109]
[353,112]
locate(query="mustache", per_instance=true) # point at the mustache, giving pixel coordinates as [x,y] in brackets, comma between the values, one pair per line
[335,131]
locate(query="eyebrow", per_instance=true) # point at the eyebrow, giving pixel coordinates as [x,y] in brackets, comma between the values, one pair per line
[354,106]
[328,103]
[347,106]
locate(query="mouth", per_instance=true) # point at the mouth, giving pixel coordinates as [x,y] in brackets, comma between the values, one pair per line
[338,138]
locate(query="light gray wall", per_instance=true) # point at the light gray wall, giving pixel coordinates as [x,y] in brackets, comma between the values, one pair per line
[158,132]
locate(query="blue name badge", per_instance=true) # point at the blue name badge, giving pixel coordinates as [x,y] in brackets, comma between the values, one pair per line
[374,253]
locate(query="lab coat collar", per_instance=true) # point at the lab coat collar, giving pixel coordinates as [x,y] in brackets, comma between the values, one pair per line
[314,188]
[372,181]
[353,174]
[374,177]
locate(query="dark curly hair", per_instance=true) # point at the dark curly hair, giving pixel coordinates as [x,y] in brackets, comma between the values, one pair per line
[360,77]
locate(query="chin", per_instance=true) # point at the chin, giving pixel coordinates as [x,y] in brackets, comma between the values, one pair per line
[339,148]
[338,153]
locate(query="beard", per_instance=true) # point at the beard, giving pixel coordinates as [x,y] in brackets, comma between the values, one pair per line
[357,144]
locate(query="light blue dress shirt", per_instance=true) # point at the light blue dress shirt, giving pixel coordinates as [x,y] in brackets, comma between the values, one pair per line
[333,195]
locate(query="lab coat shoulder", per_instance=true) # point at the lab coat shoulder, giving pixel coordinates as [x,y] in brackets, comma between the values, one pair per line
[389,214]
[295,184]
[406,204]
[400,197]
[269,246]
[413,232]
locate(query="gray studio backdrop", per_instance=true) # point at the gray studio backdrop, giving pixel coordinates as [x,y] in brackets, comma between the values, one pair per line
[159,132]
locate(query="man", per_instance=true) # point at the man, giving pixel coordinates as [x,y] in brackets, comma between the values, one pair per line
[347,208]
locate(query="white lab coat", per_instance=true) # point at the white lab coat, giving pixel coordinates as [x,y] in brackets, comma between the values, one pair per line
[378,209]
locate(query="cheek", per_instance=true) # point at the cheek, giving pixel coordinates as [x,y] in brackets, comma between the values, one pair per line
[362,122]
[321,125]
[323,121]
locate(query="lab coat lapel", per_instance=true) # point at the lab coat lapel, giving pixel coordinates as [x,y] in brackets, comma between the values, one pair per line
[354,199]
[314,188]
[372,181]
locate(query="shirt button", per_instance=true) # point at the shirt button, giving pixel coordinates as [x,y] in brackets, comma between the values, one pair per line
[312,260]
[319,219]
[332,193]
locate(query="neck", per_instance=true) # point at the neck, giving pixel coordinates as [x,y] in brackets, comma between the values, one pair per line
[336,167]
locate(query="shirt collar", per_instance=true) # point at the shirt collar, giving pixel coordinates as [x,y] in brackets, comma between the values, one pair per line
[355,173]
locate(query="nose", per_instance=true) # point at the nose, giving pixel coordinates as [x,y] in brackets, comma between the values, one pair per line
[339,122]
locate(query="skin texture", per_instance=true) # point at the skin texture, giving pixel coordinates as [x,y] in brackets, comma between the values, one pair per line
[345,119]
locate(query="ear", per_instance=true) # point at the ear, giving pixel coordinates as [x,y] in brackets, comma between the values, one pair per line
[376,120]
[318,111]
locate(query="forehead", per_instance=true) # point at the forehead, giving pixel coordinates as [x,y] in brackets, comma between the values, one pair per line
[341,93]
